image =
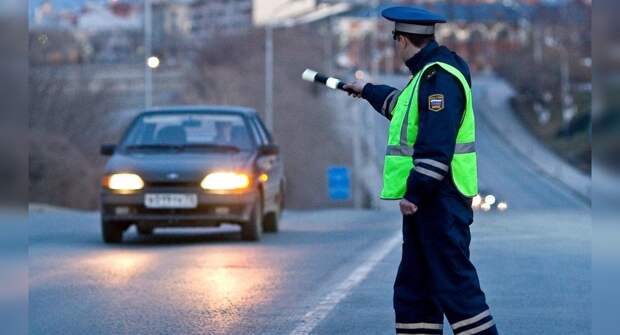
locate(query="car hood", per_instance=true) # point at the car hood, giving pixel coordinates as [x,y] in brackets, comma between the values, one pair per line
[177,166]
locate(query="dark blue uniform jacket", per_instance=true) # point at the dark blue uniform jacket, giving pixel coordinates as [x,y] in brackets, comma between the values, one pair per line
[437,132]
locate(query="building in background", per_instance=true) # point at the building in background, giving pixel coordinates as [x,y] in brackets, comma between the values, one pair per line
[55,47]
[177,25]
[476,29]
[221,17]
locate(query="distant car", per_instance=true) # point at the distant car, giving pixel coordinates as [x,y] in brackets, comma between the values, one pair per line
[193,166]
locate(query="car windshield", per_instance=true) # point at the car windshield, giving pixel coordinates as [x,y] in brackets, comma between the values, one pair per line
[198,131]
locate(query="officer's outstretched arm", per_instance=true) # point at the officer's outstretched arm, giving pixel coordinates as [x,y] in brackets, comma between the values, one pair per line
[441,104]
[381,97]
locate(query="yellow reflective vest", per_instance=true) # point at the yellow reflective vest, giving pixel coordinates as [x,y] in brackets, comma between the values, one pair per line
[403,132]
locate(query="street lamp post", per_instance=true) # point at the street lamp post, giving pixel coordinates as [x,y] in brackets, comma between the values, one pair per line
[370,132]
[269,76]
[148,62]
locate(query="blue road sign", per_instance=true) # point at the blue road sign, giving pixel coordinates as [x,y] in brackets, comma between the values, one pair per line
[338,183]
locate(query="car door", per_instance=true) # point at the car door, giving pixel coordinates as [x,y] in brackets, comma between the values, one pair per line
[271,165]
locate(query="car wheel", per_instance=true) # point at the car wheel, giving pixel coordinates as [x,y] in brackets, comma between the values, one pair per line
[270,222]
[112,232]
[144,230]
[252,230]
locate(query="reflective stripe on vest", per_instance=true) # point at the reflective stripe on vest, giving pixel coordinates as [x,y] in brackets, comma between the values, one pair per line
[403,150]
[403,133]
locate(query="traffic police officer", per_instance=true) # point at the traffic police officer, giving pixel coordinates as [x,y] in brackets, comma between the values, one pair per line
[430,165]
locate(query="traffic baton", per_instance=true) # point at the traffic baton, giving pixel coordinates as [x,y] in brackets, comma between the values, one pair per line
[331,82]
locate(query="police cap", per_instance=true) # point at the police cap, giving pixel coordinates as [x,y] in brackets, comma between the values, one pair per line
[413,20]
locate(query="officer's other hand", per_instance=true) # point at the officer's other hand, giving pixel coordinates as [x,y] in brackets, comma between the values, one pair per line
[407,207]
[355,88]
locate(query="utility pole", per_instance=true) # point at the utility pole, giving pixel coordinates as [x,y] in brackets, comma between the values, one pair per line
[567,100]
[537,44]
[269,76]
[375,54]
[357,155]
[568,109]
[329,48]
[370,133]
[148,50]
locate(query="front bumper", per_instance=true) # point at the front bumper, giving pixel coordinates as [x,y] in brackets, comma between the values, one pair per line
[212,210]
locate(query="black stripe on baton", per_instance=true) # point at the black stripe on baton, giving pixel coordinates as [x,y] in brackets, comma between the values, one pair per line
[323,79]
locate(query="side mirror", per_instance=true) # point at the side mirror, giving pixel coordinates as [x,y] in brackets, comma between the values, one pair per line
[268,149]
[107,149]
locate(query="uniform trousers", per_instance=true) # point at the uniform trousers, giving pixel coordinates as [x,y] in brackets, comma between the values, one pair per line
[435,276]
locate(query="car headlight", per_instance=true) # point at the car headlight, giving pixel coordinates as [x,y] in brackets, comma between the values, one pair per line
[225,181]
[490,199]
[124,182]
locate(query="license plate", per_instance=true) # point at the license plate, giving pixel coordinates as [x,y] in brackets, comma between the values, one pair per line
[170,200]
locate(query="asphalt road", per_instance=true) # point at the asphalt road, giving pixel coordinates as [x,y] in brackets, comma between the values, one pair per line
[185,282]
[326,272]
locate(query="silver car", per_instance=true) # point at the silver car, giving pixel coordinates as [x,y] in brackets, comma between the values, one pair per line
[193,166]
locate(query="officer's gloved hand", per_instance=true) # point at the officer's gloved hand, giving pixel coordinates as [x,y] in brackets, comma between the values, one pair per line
[356,88]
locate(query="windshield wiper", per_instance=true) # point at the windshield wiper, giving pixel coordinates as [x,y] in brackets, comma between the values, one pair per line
[222,147]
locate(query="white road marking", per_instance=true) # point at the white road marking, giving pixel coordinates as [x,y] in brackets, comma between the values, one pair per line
[318,313]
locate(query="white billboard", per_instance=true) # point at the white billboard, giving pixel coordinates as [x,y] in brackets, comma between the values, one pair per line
[277,11]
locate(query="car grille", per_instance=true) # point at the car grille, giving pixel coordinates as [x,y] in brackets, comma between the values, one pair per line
[172,184]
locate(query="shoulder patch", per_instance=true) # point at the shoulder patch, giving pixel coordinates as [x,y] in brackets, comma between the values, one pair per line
[436,102]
